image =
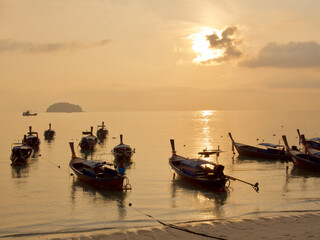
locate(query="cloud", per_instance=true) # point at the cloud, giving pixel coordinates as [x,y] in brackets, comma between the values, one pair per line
[8,45]
[298,82]
[290,55]
[227,42]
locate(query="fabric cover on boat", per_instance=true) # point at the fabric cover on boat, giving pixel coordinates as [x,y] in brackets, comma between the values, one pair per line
[193,162]
[270,145]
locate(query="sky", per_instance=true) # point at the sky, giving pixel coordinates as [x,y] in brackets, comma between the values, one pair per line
[142,55]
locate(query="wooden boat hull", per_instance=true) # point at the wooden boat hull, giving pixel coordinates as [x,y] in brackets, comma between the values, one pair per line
[88,144]
[305,160]
[122,156]
[102,133]
[122,152]
[32,141]
[49,134]
[20,155]
[250,151]
[214,184]
[110,183]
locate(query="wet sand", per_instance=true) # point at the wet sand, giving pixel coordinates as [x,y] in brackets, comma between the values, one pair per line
[293,227]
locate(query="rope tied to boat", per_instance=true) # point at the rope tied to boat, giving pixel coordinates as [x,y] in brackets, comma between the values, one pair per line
[177,227]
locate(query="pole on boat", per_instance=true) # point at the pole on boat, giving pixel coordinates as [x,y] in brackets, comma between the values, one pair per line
[284,138]
[285,141]
[30,130]
[232,142]
[121,139]
[91,130]
[72,149]
[172,146]
[255,186]
[303,141]
[49,126]
[299,135]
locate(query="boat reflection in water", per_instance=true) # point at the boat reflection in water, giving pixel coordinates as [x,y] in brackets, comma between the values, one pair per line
[99,197]
[20,171]
[297,172]
[211,201]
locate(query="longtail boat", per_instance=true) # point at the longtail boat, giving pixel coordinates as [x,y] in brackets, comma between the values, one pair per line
[96,172]
[88,140]
[102,132]
[122,152]
[202,172]
[31,139]
[272,151]
[49,133]
[313,142]
[20,154]
[301,159]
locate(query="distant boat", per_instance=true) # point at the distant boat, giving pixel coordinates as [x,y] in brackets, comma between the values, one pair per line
[49,133]
[20,154]
[88,141]
[301,159]
[28,113]
[97,173]
[272,151]
[122,152]
[202,172]
[31,139]
[102,132]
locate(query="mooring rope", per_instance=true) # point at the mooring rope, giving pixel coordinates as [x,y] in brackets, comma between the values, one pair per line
[177,227]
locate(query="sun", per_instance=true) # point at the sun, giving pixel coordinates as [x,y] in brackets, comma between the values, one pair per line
[201,46]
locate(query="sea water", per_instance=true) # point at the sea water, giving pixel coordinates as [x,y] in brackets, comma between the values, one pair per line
[44,198]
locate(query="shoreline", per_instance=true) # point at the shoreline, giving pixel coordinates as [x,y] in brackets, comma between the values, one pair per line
[300,226]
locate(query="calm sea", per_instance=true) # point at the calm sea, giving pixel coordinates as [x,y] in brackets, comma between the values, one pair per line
[43,198]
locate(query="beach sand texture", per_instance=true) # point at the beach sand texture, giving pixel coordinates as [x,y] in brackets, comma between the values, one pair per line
[294,227]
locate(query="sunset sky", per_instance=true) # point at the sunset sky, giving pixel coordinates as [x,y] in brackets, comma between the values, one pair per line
[108,55]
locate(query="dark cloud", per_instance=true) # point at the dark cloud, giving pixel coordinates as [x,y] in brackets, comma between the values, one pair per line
[228,43]
[290,55]
[8,45]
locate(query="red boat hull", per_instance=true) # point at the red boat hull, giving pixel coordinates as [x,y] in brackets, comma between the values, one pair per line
[110,184]
[246,150]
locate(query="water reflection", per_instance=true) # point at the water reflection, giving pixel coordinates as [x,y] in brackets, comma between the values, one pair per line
[247,159]
[98,196]
[303,172]
[206,135]
[295,173]
[213,201]
[87,154]
[21,171]
[102,141]
[49,141]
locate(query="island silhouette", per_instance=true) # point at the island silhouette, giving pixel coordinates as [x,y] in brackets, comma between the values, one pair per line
[64,107]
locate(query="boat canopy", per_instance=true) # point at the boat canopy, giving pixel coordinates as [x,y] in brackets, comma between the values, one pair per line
[22,147]
[122,146]
[316,139]
[270,145]
[94,163]
[194,162]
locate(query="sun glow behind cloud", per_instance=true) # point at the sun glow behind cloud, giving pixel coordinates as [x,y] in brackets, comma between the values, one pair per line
[213,46]
[201,46]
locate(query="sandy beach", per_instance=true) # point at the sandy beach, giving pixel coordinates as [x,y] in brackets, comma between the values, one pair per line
[293,227]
